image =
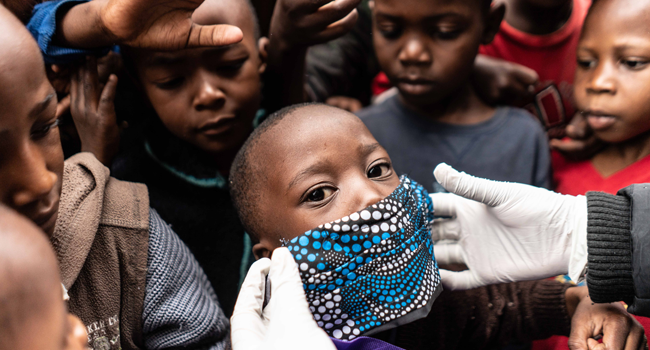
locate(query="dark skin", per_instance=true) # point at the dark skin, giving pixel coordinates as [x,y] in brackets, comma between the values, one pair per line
[538,17]
[314,177]
[611,84]
[31,159]
[427,49]
[208,97]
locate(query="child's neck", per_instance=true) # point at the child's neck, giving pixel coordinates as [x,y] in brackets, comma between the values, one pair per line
[463,107]
[618,156]
[536,20]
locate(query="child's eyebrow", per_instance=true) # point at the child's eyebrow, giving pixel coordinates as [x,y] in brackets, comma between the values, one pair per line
[41,106]
[313,169]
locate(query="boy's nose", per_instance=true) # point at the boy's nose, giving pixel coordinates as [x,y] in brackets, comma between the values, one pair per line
[35,181]
[209,97]
[414,52]
[602,80]
[368,195]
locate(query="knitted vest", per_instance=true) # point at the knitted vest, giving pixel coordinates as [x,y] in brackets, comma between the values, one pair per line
[101,240]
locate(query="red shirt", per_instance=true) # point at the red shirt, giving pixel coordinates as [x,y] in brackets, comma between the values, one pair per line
[576,178]
[552,56]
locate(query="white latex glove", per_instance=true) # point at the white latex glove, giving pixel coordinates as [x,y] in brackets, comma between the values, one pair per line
[506,232]
[286,322]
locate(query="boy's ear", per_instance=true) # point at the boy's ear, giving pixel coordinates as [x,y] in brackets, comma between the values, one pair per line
[493,22]
[262,250]
[263,46]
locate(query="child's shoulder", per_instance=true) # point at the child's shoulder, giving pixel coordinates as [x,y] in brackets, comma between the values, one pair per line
[520,119]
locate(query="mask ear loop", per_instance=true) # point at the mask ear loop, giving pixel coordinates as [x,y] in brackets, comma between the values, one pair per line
[267,292]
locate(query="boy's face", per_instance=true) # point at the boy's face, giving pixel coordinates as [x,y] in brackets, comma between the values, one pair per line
[208,97]
[31,159]
[320,165]
[612,84]
[427,47]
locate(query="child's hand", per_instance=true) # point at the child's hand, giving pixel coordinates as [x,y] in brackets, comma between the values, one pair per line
[618,328]
[151,24]
[499,81]
[93,112]
[301,23]
[582,143]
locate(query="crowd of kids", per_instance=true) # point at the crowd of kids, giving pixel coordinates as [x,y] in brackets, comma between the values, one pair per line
[151,151]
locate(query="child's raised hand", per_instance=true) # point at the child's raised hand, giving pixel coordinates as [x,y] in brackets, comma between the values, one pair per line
[581,143]
[151,24]
[93,112]
[618,328]
[309,22]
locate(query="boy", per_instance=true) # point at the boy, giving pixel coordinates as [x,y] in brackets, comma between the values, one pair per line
[193,109]
[130,279]
[310,165]
[31,297]
[427,49]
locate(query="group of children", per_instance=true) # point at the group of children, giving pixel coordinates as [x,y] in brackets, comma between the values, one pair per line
[155,225]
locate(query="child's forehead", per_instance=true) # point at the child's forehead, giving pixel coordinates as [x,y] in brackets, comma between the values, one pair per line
[619,18]
[427,9]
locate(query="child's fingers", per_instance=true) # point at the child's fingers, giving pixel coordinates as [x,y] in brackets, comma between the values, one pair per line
[335,11]
[63,106]
[107,98]
[76,94]
[91,83]
[339,27]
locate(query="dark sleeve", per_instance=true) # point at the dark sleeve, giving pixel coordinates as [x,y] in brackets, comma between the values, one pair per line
[619,247]
[42,26]
[543,165]
[490,317]
[344,66]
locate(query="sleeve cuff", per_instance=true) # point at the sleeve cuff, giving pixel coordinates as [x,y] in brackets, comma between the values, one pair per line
[609,275]
[549,308]
[42,26]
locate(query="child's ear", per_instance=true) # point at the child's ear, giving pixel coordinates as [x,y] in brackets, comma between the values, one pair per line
[263,46]
[262,250]
[493,22]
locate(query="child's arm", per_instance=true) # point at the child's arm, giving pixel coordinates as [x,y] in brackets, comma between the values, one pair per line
[500,81]
[296,25]
[93,111]
[61,26]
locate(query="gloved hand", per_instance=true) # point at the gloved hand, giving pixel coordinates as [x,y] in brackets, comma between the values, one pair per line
[286,322]
[506,232]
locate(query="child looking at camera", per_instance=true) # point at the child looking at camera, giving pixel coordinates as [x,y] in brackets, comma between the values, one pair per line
[427,49]
[313,178]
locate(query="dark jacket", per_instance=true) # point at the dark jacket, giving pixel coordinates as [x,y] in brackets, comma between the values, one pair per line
[618,243]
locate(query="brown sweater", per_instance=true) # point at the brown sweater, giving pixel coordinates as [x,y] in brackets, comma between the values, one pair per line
[101,240]
[488,317]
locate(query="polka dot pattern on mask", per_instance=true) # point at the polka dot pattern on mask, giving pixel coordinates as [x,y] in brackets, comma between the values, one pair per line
[366,270]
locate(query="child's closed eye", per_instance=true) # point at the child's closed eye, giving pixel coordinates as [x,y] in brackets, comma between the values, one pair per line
[40,131]
[635,63]
[170,84]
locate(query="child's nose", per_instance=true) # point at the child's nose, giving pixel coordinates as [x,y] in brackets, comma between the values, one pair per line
[414,52]
[34,180]
[209,96]
[603,80]
[369,195]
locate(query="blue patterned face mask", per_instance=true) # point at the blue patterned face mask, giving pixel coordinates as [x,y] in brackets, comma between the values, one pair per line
[372,270]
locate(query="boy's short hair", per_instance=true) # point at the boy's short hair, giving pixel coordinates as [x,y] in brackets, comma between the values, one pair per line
[245,178]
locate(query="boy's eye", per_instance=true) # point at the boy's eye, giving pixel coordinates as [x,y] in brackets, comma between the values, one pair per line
[634,64]
[233,66]
[170,84]
[319,194]
[390,31]
[586,63]
[445,34]
[40,131]
[378,170]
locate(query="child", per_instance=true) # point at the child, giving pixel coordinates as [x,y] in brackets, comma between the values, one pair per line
[130,279]
[197,106]
[310,165]
[543,36]
[31,297]
[427,49]
[611,89]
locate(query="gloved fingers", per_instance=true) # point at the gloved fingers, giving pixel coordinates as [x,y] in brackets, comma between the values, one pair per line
[445,229]
[444,204]
[462,280]
[481,190]
[449,254]
[247,326]
[286,286]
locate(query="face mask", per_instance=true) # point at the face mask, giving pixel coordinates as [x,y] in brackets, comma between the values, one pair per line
[372,270]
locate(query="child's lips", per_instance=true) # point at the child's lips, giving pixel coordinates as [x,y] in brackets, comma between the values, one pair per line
[217,125]
[415,86]
[598,121]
